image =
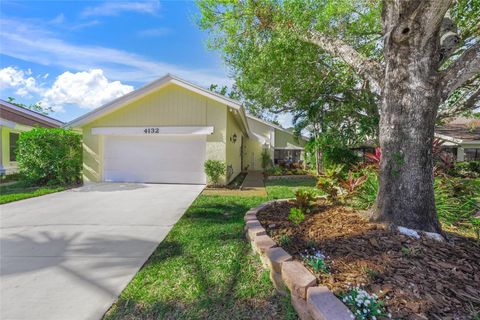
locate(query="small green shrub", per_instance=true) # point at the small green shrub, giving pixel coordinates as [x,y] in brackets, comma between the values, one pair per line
[469,169]
[214,169]
[296,216]
[304,200]
[266,159]
[274,171]
[50,156]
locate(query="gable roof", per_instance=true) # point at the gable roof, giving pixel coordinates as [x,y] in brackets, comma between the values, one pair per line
[275,126]
[30,114]
[465,130]
[149,88]
[159,83]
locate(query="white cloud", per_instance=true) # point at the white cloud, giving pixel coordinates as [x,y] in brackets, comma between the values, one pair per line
[21,81]
[155,32]
[115,8]
[31,42]
[86,89]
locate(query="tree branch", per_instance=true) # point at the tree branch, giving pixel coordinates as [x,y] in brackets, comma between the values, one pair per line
[370,70]
[460,71]
[471,103]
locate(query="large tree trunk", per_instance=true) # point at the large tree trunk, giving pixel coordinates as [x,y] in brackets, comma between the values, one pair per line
[410,98]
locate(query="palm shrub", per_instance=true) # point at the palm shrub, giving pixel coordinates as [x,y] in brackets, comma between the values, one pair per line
[457,201]
[50,156]
[214,169]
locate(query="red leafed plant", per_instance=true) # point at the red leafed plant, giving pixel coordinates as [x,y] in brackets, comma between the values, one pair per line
[436,146]
[375,157]
[351,184]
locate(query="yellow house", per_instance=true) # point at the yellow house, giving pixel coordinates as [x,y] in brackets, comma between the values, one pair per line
[13,121]
[166,130]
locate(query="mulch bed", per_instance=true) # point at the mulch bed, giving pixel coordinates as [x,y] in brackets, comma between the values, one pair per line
[417,278]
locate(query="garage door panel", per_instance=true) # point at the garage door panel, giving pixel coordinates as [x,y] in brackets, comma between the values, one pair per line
[158,159]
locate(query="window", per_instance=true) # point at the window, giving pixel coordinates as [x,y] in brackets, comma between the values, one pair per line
[13,145]
[472,154]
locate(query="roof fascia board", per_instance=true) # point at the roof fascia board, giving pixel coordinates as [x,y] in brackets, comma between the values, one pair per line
[31,113]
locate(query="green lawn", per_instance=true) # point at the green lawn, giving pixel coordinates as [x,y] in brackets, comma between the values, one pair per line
[285,188]
[204,269]
[19,191]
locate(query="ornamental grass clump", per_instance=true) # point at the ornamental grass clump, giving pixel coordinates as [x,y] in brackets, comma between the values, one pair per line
[363,305]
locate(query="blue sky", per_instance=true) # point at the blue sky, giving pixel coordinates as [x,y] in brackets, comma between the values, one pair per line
[78,55]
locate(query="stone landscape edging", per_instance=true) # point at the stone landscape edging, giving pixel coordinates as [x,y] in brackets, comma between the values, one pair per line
[290,176]
[289,276]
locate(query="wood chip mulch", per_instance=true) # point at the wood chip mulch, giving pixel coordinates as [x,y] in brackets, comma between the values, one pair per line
[417,279]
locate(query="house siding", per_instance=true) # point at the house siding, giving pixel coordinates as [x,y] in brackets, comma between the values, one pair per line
[5,148]
[287,140]
[233,149]
[169,106]
[255,147]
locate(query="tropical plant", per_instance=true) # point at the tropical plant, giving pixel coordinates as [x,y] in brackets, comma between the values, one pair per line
[214,169]
[457,201]
[329,182]
[50,156]
[375,157]
[351,184]
[296,216]
[304,200]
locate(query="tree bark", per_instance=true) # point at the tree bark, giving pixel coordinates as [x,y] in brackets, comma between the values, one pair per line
[410,98]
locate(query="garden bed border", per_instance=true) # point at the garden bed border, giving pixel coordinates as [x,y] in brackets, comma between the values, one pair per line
[290,277]
[291,177]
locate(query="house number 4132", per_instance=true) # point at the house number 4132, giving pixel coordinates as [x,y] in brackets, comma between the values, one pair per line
[151,130]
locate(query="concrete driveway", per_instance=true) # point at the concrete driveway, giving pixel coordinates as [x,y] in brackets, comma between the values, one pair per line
[69,255]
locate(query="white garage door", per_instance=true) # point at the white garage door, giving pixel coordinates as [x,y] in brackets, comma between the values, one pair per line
[157,159]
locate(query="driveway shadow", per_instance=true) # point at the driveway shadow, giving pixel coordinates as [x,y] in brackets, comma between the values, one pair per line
[109,187]
[25,254]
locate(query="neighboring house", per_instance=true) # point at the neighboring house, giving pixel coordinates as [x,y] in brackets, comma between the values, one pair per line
[166,130]
[13,121]
[462,138]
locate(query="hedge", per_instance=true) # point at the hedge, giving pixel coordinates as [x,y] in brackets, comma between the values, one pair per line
[50,156]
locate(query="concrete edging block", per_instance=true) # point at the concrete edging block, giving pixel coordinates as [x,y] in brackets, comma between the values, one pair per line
[323,304]
[276,256]
[263,243]
[297,278]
